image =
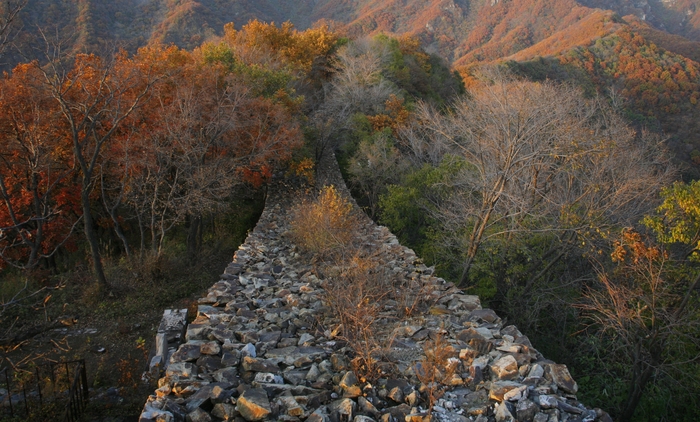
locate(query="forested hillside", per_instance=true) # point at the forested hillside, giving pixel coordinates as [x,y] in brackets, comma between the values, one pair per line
[466,33]
[657,88]
[549,205]
[476,29]
[122,176]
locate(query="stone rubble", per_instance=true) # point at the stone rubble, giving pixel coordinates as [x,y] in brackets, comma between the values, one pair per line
[264,347]
[170,334]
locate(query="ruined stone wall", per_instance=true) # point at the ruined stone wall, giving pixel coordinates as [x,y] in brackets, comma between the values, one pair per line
[264,346]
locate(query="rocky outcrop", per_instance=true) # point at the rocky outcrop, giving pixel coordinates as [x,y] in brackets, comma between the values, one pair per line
[264,346]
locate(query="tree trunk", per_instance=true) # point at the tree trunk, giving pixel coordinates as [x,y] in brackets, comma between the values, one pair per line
[194,237]
[36,247]
[113,214]
[142,236]
[122,237]
[154,235]
[480,227]
[637,385]
[118,229]
[642,371]
[91,237]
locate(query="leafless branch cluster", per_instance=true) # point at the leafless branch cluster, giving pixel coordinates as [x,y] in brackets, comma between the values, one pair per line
[539,158]
[9,10]
[357,87]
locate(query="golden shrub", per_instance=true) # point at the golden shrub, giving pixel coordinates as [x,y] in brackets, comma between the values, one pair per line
[325,224]
[304,168]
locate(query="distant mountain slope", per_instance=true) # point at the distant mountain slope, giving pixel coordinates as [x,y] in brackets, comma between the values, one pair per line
[597,24]
[680,17]
[656,83]
[510,26]
[649,57]
[441,24]
[460,30]
[602,23]
[671,42]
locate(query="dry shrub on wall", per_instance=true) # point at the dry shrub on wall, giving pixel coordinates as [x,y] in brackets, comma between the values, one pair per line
[437,368]
[325,225]
[357,286]
[355,293]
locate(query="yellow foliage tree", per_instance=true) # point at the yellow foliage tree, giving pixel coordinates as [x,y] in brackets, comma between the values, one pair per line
[678,218]
[284,45]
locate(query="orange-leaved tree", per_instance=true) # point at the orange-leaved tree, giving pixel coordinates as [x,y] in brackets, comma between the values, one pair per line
[645,309]
[201,133]
[94,97]
[283,46]
[39,203]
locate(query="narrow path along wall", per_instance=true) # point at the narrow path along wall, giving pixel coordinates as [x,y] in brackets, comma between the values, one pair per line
[265,346]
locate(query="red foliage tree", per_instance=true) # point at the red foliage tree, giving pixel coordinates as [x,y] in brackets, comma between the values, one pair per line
[91,100]
[39,202]
[201,133]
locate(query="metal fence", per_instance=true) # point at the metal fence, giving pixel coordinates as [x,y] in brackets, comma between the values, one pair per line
[56,387]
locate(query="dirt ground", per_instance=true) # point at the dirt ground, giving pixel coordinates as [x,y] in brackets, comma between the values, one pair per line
[114,333]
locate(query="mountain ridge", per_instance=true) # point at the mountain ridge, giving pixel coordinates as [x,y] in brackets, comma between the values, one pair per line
[466,33]
[459,30]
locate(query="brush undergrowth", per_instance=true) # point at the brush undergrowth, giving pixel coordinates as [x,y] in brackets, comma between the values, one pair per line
[437,368]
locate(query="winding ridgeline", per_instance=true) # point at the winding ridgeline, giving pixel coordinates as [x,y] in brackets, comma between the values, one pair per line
[282,337]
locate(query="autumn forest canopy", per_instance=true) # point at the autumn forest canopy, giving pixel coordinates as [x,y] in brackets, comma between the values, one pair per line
[551,169]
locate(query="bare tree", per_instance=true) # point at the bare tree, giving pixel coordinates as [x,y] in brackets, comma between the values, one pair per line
[114,184]
[374,166]
[178,175]
[208,134]
[359,84]
[540,158]
[357,87]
